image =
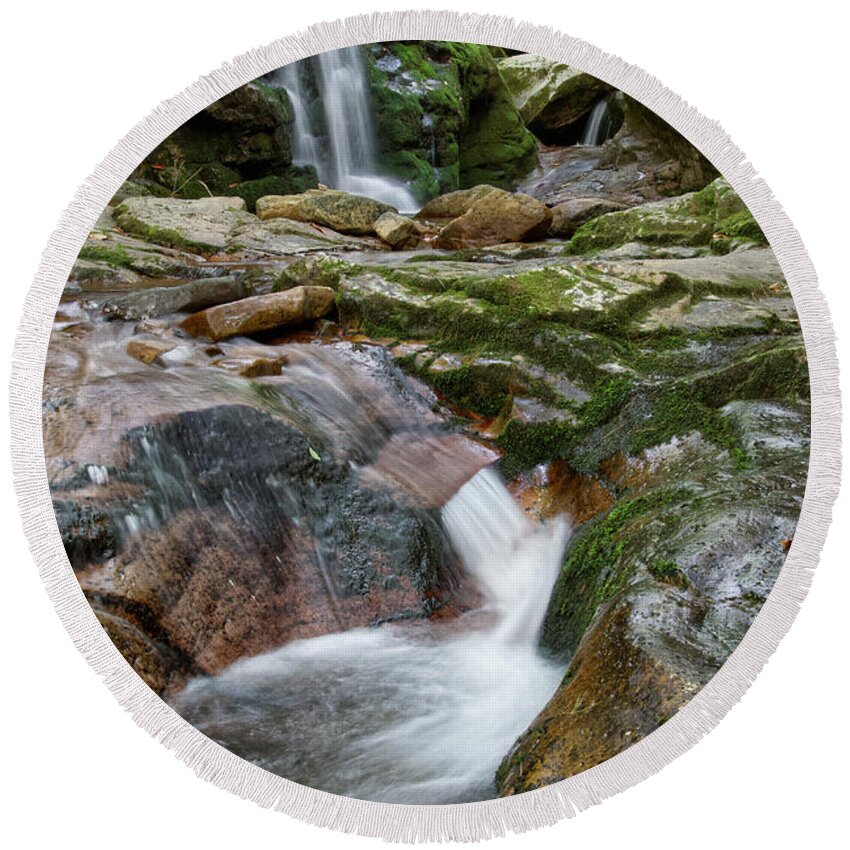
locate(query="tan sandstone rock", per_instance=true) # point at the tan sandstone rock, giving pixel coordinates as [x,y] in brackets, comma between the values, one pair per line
[340,211]
[496,218]
[262,313]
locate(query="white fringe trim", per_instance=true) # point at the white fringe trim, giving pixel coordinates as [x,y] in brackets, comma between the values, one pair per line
[472,821]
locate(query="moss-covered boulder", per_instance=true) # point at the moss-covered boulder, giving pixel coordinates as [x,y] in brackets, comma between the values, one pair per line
[445,119]
[715,217]
[553,99]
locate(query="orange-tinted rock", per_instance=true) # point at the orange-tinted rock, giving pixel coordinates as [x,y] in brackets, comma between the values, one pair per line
[615,693]
[250,367]
[262,313]
[562,490]
[148,350]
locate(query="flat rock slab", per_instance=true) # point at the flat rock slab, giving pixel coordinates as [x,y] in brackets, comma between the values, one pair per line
[262,312]
[221,226]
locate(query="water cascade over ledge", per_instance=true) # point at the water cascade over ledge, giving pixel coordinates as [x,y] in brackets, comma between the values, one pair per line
[350,158]
[416,713]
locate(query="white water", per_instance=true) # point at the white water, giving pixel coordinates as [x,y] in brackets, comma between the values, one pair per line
[598,124]
[306,149]
[350,161]
[416,713]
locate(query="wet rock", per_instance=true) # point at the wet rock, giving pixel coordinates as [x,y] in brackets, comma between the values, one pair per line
[245,532]
[552,98]
[655,593]
[148,351]
[398,231]
[88,532]
[646,160]
[496,218]
[262,312]
[340,211]
[570,215]
[163,300]
[250,367]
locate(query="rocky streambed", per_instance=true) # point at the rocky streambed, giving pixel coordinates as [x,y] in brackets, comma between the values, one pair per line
[254,420]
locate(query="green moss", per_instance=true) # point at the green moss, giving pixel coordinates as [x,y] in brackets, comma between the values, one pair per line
[484,390]
[596,568]
[527,444]
[115,256]
[713,217]
[609,396]
[676,413]
[159,235]
[293,182]
[668,572]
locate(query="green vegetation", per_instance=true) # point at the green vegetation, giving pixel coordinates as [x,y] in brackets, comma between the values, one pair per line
[597,567]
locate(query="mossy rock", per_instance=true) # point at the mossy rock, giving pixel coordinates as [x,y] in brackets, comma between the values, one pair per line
[713,217]
[445,118]
[242,137]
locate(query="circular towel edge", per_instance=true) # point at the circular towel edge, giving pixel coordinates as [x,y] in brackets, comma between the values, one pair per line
[393,822]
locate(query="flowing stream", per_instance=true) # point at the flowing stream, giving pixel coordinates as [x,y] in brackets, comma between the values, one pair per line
[415,713]
[350,158]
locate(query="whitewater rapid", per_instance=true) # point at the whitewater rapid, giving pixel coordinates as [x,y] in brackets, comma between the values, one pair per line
[420,712]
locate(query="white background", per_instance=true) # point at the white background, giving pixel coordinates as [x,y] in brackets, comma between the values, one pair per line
[76,77]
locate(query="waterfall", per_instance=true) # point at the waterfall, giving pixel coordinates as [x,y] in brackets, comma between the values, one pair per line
[417,713]
[306,149]
[350,158]
[598,124]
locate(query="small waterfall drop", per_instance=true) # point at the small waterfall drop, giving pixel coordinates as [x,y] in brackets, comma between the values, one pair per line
[599,123]
[417,713]
[350,158]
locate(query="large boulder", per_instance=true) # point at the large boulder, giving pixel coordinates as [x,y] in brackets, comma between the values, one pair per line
[162,300]
[453,204]
[553,99]
[221,225]
[203,225]
[496,218]
[445,119]
[340,211]
[715,216]
[262,313]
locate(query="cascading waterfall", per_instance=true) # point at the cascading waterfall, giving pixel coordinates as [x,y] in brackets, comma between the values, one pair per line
[416,713]
[350,160]
[598,126]
[306,148]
